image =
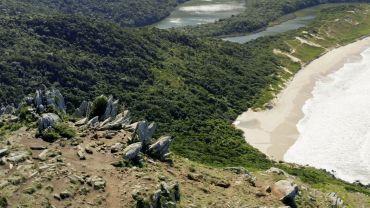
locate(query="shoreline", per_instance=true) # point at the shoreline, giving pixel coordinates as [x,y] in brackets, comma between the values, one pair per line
[274,131]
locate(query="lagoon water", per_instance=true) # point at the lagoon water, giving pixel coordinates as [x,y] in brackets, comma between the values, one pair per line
[197,12]
[335,130]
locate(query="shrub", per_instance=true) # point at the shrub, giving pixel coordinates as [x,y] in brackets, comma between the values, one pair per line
[49,135]
[3,202]
[99,105]
[65,131]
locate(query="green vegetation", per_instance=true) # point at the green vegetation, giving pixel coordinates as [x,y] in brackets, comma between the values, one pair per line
[130,13]
[193,87]
[258,14]
[99,105]
[58,131]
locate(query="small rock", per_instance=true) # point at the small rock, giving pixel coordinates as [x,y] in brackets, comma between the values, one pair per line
[81,155]
[4,152]
[65,194]
[88,150]
[116,147]
[194,177]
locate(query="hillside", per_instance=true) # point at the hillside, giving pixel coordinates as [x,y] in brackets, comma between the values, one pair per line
[52,159]
[165,77]
[127,13]
[258,14]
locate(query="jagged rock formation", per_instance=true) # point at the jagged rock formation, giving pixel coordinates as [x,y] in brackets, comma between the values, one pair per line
[160,149]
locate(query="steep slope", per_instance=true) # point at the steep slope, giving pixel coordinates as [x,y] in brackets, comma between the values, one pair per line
[76,162]
[194,88]
[131,13]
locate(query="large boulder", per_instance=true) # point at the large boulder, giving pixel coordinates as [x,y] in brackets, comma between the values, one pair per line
[132,151]
[286,191]
[84,110]
[111,110]
[48,120]
[145,131]
[335,200]
[160,149]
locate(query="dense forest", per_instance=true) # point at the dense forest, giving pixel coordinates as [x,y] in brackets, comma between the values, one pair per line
[160,75]
[258,14]
[128,13]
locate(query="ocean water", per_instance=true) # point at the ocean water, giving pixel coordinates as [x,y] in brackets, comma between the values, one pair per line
[335,130]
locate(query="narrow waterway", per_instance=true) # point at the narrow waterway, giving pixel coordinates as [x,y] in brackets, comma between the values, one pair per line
[197,12]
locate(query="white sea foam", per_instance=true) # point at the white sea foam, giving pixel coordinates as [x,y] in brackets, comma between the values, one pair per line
[335,131]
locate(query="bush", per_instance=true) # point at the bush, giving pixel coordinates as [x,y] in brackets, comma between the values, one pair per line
[49,135]
[65,131]
[99,105]
[3,202]
[58,131]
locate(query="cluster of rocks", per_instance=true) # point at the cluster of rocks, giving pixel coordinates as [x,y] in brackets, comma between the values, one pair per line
[110,120]
[43,100]
[113,120]
[165,196]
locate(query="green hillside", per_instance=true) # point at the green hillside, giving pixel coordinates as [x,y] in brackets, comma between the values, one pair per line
[193,87]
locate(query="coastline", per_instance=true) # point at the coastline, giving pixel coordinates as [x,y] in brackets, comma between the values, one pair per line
[274,131]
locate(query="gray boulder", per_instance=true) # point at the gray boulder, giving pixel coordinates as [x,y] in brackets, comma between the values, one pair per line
[335,201]
[82,122]
[48,120]
[116,147]
[145,132]
[286,191]
[93,122]
[161,148]
[118,123]
[84,110]
[38,100]
[132,151]
[111,110]
[277,171]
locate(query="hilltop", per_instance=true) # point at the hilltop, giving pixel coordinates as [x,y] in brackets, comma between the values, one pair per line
[164,77]
[98,157]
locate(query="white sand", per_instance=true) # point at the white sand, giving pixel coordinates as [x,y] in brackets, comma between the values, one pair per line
[274,131]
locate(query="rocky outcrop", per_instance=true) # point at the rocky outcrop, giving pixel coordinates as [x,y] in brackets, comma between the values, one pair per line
[132,151]
[160,149]
[277,171]
[335,200]
[286,191]
[144,132]
[9,109]
[48,120]
[165,196]
[49,98]
[111,110]
[84,110]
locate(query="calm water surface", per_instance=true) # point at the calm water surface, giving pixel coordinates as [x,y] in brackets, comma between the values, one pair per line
[197,12]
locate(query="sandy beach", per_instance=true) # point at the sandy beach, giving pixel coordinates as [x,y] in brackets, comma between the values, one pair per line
[274,131]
